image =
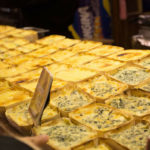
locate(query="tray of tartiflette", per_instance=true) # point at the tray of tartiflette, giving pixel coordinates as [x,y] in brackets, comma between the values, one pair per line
[100,96]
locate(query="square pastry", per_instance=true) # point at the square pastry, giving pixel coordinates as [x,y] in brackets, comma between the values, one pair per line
[100,117]
[65,135]
[102,87]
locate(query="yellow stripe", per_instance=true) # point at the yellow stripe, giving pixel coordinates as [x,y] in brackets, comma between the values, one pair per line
[74,33]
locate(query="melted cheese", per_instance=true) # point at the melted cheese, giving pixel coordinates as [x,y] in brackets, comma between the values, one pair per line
[12,71]
[26,76]
[4,85]
[145,87]
[64,135]
[24,34]
[4,28]
[91,146]
[32,85]
[69,99]
[134,137]
[75,74]
[12,43]
[17,60]
[99,117]
[64,43]
[103,64]
[20,114]
[3,65]
[3,49]
[84,46]
[61,55]
[35,63]
[9,54]
[42,52]
[29,47]
[79,59]
[131,75]
[49,39]
[13,96]
[105,50]
[129,55]
[137,106]
[144,62]
[100,87]
[56,67]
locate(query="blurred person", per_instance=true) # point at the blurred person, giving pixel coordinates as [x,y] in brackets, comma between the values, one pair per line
[23,143]
[10,141]
[55,15]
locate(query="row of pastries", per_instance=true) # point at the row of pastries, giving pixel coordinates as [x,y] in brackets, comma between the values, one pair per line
[100,96]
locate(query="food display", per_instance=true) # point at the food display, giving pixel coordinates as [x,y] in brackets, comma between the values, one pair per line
[19,116]
[130,74]
[131,137]
[145,63]
[103,65]
[69,98]
[105,50]
[135,102]
[102,145]
[85,46]
[79,59]
[129,55]
[103,91]
[102,87]
[64,134]
[100,117]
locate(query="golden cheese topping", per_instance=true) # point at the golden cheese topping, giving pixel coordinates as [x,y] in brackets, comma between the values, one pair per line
[28,76]
[137,106]
[21,33]
[64,135]
[103,64]
[145,87]
[144,62]
[75,74]
[32,85]
[3,49]
[69,98]
[91,146]
[79,59]
[4,28]
[134,137]
[61,55]
[3,65]
[9,54]
[35,63]
[129,55]
[29,47]
[42,51]
[102,88]
[56,67]
[20,114]
[99,117]
[17,60]
[49,39]
[84,46]
[12,43]
[105,50]
[130,75]
[64,43]
[4,85]
[13,96]
[12,71]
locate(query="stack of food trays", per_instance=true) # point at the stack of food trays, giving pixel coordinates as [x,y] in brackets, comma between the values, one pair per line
[100,96]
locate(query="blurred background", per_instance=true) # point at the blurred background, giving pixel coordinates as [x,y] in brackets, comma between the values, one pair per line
[120,22]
